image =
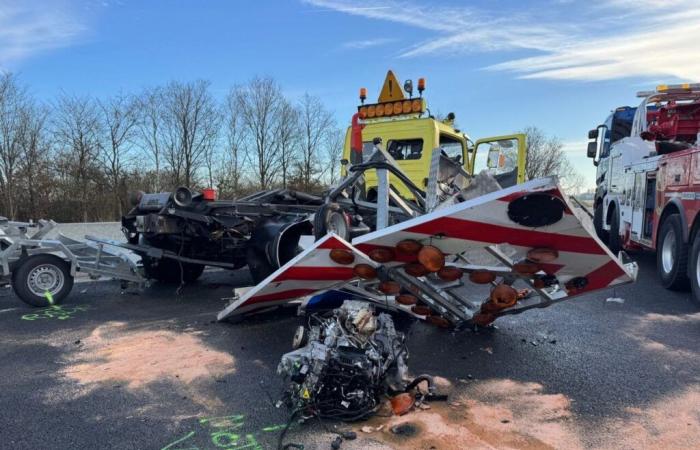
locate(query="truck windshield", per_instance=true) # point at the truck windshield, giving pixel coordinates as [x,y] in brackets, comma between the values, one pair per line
[622,123]
[452,147]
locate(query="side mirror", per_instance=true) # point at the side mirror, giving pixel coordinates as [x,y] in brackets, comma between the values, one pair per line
[593,134]
[592,149]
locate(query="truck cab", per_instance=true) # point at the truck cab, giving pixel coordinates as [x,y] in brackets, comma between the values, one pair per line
[614,145]
[648,182]
[410,135]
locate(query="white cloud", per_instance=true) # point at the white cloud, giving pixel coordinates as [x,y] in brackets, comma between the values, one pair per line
[28,28]
[575,147]
[589,41]
[367,43]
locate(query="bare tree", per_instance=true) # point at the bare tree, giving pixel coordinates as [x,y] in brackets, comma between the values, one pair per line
[12,105]
[150,129]
[119,122]
[316,123]
[259,104]
[287,138]
[230,171]
[34,162]
[546,157]
[191,120]
[77,131]
[334,143]
[73,161]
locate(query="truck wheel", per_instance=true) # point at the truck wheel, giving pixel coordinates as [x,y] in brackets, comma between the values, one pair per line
[168,270]
[694,270]
[598,223]
[39,274]
[331,218]
[614,240]
[672,254]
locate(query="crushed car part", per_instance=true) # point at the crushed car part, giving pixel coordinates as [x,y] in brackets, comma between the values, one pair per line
[352,358]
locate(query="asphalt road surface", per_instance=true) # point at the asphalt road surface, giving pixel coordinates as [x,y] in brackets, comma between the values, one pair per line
[152,370]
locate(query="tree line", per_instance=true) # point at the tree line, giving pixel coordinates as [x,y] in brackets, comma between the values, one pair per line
[76,158]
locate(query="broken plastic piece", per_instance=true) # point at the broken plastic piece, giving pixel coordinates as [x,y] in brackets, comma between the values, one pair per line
[402,403]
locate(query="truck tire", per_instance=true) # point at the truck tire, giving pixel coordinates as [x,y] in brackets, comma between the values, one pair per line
[331,218]
[39,274]
[598,224]
[614,240]
[672,254]
[694,269]
[167,270]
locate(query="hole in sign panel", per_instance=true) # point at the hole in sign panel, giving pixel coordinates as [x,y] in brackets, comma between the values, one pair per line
[536,210]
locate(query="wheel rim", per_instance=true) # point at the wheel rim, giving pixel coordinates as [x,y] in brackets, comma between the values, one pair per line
[336,224]
[45,278]
[668,252]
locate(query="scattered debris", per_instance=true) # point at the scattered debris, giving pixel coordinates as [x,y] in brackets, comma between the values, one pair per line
[617,300]
[402,403]
[353,348]
[371,429]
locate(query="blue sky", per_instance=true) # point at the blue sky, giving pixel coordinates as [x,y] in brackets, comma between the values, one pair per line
[561,65]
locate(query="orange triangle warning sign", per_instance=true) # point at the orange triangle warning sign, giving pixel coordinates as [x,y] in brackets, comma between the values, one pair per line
[391,91]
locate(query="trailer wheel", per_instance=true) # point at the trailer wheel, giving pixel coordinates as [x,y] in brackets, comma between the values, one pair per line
[598,223]
[672,254]
[331,218]
[694,269]
[39,274]
[614,240]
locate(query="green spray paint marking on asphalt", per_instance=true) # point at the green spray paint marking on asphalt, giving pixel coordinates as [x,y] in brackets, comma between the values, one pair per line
[49,297]
[56,312]
[224,432]
[172,445]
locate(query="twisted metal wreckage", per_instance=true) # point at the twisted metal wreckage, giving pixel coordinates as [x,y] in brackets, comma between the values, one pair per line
[527,242]
[420,257]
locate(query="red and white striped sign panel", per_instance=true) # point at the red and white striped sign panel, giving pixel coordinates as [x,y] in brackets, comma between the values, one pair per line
[309,272]
[466,227]
[484,221]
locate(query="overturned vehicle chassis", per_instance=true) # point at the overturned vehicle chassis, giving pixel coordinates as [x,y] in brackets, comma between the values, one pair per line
[178,234]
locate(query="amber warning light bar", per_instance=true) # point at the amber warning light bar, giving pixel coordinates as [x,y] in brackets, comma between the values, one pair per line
[393,100]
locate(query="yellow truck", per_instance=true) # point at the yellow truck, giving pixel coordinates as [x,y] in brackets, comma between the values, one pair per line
[410,134]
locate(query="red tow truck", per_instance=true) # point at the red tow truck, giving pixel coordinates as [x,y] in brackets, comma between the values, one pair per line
[648,181]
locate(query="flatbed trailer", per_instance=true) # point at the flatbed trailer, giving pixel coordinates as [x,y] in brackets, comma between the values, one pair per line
[41,270]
